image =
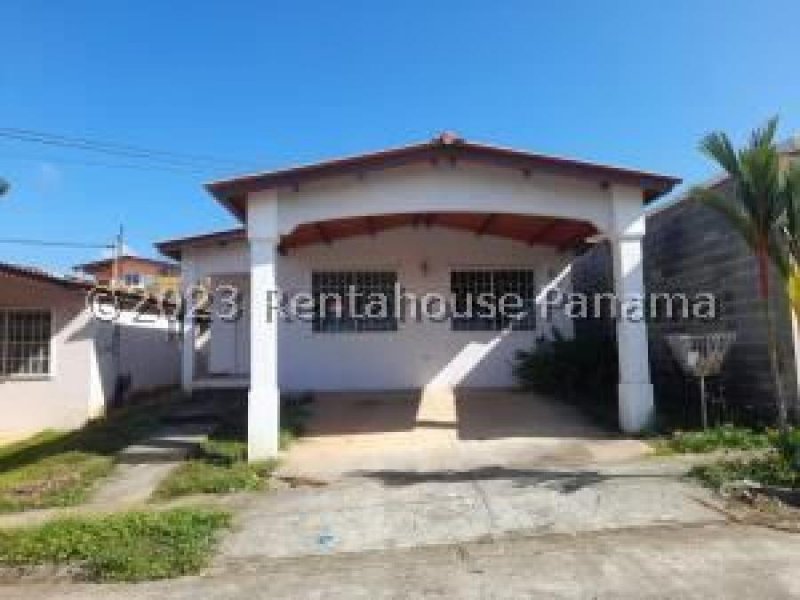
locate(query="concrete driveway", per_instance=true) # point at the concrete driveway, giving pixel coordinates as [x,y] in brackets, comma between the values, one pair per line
[349,433]
[395,508]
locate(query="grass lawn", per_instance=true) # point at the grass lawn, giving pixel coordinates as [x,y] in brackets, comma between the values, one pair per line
[778,466]
[132,546]
[221,465]
[60,469]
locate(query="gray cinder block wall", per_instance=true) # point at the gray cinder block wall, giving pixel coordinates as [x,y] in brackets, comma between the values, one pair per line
[689,248]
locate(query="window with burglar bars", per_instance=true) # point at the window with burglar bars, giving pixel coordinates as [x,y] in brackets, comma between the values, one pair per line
[25,342]
[477,294]
[334,312]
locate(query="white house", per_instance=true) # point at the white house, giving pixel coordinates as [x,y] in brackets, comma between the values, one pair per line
[446,216]
[59,365]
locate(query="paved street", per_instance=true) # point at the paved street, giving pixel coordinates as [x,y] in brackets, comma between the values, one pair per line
[389,509]
[690,561]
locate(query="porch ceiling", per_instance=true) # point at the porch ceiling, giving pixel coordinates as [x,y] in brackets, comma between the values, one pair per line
[530,229]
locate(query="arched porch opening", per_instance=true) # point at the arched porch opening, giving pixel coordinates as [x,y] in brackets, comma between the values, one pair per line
[561,233]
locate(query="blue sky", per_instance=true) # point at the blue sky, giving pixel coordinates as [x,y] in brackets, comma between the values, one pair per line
[266,84]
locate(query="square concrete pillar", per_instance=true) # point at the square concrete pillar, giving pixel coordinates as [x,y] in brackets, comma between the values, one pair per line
[263,410]
[636,408]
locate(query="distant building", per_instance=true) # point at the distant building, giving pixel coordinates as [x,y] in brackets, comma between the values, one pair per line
[133,272]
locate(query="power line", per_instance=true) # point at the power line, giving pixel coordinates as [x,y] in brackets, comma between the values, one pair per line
[60,244]
[113,148]
[93,163]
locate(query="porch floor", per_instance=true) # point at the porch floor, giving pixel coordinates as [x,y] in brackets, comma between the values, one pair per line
[352,434]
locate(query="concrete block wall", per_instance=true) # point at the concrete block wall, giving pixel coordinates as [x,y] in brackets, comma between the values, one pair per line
[690,248]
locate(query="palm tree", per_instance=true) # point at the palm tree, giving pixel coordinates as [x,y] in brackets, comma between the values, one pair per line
[756,209]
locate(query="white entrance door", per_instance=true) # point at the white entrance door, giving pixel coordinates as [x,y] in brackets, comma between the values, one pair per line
[229,352]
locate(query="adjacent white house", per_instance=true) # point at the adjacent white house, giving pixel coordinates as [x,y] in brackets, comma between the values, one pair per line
[446,216]
[59,365]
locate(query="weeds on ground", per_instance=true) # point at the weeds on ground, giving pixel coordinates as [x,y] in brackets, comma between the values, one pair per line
[132,546]
[779,467]
[723,437]
[221,466]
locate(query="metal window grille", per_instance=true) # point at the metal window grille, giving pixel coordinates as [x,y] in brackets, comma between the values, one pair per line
[477,296]
[334,312]
[25,342]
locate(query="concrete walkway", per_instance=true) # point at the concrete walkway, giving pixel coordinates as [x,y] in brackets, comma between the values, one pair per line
[139,469]
[142,466]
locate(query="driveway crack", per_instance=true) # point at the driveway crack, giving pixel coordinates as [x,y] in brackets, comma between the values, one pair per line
[476,484]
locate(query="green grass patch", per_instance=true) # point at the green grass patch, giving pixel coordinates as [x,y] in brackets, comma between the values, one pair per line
[131,546]
[221,466]
[773,469]
[60,469]
[198,476]
[723,437]
[779,467]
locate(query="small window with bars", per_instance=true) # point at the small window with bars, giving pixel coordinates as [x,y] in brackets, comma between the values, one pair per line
[478,299]
[25,342]
[354,301]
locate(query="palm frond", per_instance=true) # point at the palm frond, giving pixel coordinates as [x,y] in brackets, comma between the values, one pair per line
[718,147]
[764,137]
[731,209]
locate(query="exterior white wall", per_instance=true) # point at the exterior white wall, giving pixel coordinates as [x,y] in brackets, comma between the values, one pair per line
[60,400]
[82,376]
[419,353]
[149,351]
[444,188]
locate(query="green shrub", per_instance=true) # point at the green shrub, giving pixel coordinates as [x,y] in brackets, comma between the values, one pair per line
[125,547]
[582,370]
[788,443]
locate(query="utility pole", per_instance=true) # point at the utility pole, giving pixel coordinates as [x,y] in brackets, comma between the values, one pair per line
[116,333]
[116,258]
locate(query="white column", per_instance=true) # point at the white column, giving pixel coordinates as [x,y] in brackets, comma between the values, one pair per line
[188,345]
[636,409]
[263,414]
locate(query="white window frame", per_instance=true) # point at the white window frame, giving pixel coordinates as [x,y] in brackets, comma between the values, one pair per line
[51,369]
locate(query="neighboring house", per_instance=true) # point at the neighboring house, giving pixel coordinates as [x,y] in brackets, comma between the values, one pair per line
[133,273]
[60,366]
[446,216]
[691,248]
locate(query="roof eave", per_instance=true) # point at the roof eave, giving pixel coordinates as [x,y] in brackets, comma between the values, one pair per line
[231,193]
